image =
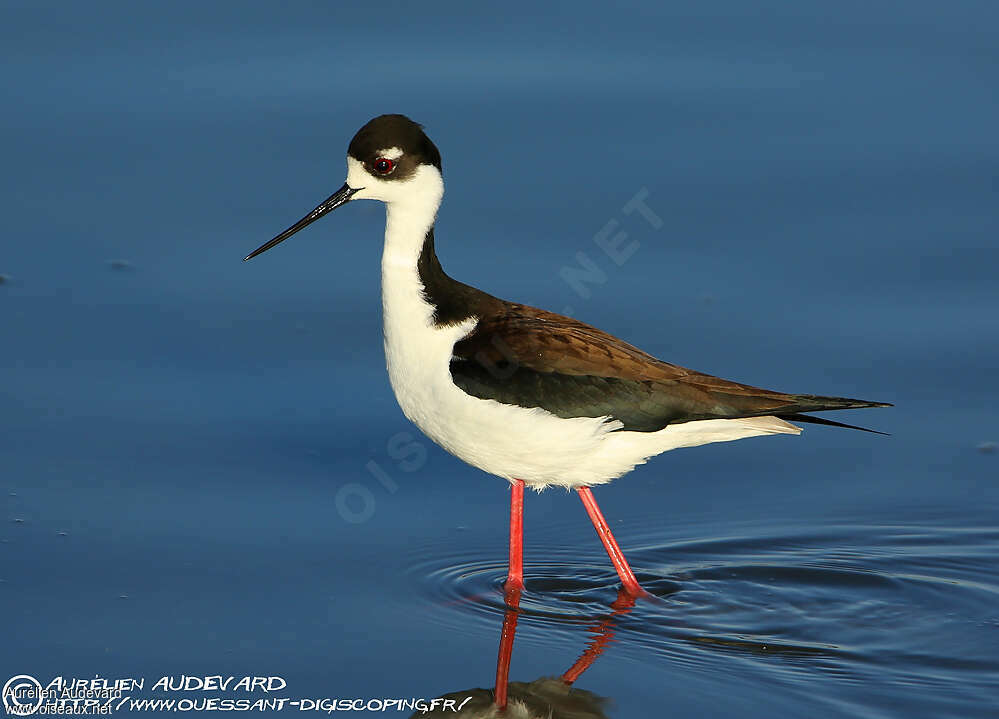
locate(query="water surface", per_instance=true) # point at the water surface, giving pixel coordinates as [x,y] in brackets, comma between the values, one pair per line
[204,471]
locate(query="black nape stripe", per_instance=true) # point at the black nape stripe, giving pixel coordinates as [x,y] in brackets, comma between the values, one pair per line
[453,301]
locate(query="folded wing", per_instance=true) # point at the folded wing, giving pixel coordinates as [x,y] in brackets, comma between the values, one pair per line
[532,358]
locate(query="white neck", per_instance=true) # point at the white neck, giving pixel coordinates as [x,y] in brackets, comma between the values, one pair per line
[417,352]
[409,216]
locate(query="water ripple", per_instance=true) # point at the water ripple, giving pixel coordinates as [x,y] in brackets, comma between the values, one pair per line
[834,599]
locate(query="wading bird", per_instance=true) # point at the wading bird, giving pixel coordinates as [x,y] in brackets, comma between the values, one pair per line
[531,396]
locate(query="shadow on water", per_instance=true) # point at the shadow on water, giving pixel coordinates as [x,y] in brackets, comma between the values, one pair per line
[822,611]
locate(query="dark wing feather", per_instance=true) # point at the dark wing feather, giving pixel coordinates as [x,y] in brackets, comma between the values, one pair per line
[532,358]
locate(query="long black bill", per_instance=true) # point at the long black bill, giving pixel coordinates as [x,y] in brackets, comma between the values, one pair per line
[332,202]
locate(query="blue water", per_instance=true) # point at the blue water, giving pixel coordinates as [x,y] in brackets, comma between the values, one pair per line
[203,470]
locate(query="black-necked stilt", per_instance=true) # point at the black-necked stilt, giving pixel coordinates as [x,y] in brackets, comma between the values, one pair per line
[528,395]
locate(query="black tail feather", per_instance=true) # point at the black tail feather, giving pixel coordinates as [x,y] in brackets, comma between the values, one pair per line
[818,403]
[809,419]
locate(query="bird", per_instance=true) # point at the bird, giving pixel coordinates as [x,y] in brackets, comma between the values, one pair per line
[531,396]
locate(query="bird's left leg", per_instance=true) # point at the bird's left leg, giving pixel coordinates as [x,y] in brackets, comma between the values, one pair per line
[628,580]
[515,575]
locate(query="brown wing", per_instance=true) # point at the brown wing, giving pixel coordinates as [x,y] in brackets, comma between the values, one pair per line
[532,358]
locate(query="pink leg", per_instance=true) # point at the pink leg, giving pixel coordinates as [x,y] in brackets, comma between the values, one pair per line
[613,551]
[515,577]
[513,587]
[506,648]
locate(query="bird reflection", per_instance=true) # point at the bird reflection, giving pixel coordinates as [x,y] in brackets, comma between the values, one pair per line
[544,698]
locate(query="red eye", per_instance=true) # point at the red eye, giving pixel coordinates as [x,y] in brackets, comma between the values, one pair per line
[384,166]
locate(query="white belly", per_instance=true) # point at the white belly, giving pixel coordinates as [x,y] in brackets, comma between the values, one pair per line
[514,442]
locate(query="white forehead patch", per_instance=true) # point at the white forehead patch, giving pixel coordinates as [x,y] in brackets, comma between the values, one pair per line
[390,153]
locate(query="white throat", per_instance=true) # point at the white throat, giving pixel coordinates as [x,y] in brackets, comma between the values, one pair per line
[410,207]
[410,215]
[406,315]
[410,210]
